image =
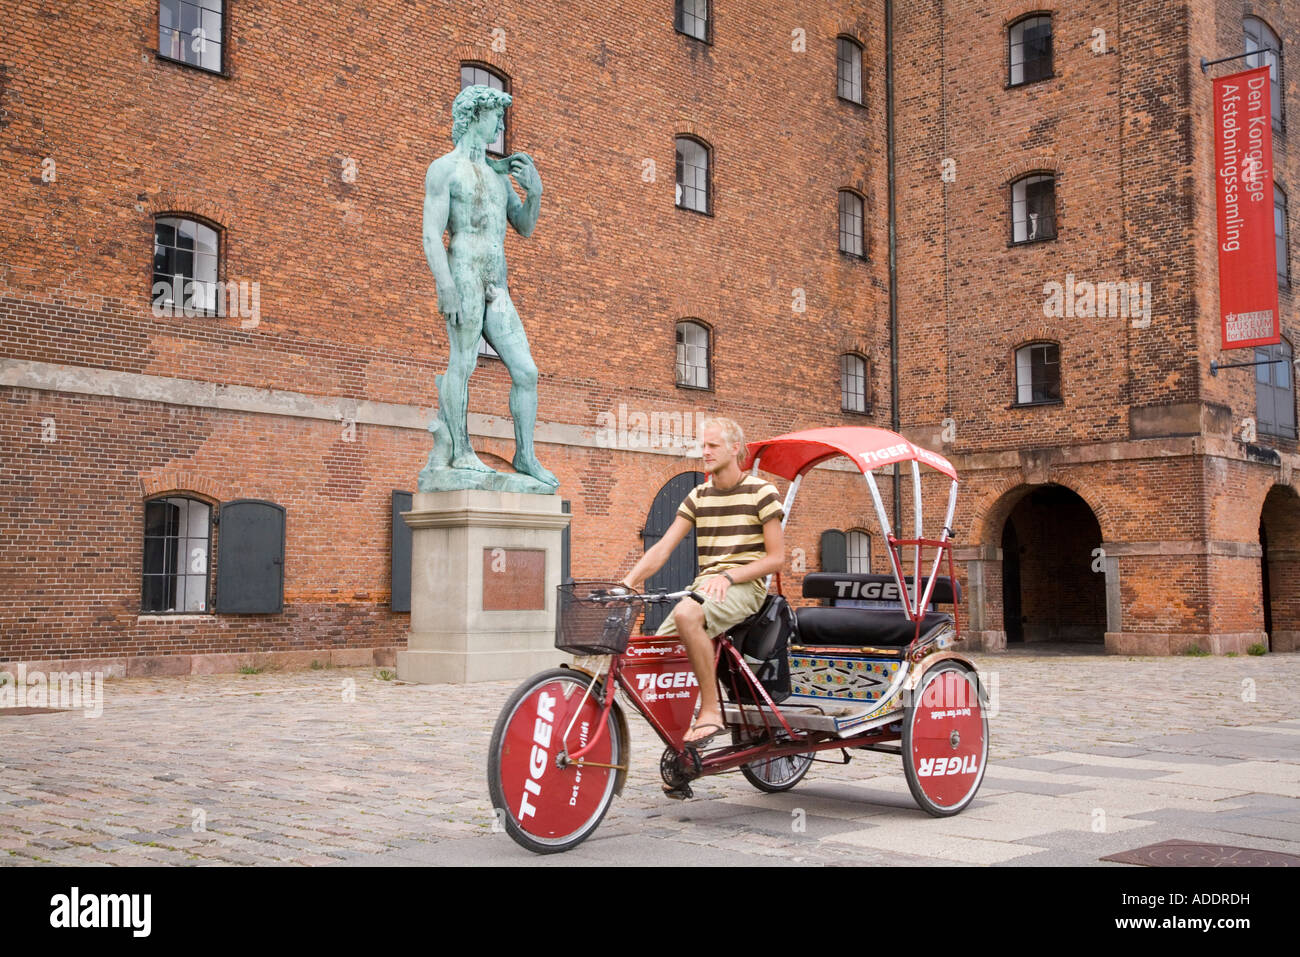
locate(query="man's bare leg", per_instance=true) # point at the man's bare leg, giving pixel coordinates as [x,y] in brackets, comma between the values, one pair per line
[689,616]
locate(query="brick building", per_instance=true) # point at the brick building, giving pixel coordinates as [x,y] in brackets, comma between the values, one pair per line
[717,181]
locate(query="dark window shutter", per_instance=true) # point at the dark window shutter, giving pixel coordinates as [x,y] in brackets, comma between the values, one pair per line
[834,551]
[682,565]
[565,572]
[400,565]
[250,558]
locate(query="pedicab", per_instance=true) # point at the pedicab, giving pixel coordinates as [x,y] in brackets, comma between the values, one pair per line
[845,675]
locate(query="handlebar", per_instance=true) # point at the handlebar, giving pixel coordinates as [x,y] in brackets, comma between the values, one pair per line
[614,594]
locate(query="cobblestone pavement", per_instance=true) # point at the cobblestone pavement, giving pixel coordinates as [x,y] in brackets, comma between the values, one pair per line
[1090,755]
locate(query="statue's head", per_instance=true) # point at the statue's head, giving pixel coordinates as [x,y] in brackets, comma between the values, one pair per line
[470,104]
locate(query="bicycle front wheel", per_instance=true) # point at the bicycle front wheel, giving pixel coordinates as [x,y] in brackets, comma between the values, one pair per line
[544,807]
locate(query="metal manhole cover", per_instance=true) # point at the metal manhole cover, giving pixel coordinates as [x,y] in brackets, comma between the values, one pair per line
[1196,854]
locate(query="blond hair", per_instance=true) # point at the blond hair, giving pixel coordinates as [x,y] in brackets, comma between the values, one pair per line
[732,433]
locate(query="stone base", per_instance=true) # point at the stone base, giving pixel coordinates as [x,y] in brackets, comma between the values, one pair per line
[1179,643]
[983,641]
[432,479]
[470,619]
[1284,641]
[152,666]
[456,667]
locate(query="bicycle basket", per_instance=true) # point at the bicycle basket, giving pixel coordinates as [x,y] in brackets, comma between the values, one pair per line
[590,621]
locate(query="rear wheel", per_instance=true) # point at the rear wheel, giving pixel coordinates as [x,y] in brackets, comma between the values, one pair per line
[779,773]
[543,806]
[945,739]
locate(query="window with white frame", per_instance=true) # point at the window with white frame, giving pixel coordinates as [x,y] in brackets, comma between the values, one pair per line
[848,66]
[1030,49]
[691,17]
[692,355]
[858,550]
[1033,208]
[1275,391]
[1259,37]
[1038,373]
[852,223]
[190,32]
[853,383]
[474,75]
[185,265]
[177,543]
[692,175]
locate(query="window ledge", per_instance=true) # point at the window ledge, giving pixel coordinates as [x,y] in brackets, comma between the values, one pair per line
[1041,79]
[697,212]
[193,66]
[1034,405]
[1012,244]
[845,99]
[694,388]
[175,616]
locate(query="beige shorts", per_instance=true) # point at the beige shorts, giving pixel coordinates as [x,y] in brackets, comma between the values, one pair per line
[740,602]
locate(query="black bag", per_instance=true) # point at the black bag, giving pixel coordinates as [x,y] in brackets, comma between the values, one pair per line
[763,639]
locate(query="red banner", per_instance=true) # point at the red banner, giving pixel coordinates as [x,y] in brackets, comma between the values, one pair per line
[1243,163]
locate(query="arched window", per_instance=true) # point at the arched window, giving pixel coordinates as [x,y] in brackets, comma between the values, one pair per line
[691,17]
[1029,47]
[1275,391]
[848,68]
[693,355]
[1033,208]
[858,551]
[1281,230]
[192,32]
[475,74]
[692,175]
[1260,37]
[852,223]
[1038,373]
[186,257]
[177,543]
[853,382]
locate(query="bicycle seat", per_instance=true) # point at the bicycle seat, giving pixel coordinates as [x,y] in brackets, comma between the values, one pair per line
[854,627]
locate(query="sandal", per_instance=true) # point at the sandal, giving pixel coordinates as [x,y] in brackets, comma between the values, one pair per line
[699,743]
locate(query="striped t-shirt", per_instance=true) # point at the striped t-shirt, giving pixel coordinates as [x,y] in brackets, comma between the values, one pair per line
[729,522]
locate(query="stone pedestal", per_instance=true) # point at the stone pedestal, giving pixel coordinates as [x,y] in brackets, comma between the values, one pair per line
[484,569]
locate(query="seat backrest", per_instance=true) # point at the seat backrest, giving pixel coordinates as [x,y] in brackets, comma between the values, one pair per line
[850,586]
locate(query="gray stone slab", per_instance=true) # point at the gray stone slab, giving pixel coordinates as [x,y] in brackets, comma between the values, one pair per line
[1228,823]
[1034,764]
[1178,757]
[1030,787]
[1112,771]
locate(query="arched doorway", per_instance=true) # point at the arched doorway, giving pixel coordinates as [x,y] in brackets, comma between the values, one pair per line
[1279,539]
[1053,573]
[681,567]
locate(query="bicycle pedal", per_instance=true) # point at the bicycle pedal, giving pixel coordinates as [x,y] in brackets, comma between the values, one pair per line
[682,793]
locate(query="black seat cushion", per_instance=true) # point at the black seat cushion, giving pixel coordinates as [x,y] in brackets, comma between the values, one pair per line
[854,627]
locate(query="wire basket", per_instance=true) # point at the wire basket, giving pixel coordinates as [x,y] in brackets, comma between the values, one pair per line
[591,621]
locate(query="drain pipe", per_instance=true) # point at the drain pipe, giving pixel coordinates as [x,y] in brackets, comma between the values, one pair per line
[894,417]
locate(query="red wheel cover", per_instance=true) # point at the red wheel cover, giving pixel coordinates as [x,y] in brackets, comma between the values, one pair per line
[547,801]
[948,746]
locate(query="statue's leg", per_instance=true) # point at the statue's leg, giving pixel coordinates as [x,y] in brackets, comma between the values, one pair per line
[505,333]
[453,387]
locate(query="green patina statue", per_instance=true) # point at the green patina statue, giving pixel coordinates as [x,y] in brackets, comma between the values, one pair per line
[470,195]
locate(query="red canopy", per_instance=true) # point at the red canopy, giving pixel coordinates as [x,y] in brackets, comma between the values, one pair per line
[792,454]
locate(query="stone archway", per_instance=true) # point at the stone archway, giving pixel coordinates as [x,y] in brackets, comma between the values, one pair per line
[1279,539]
[1039,577]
